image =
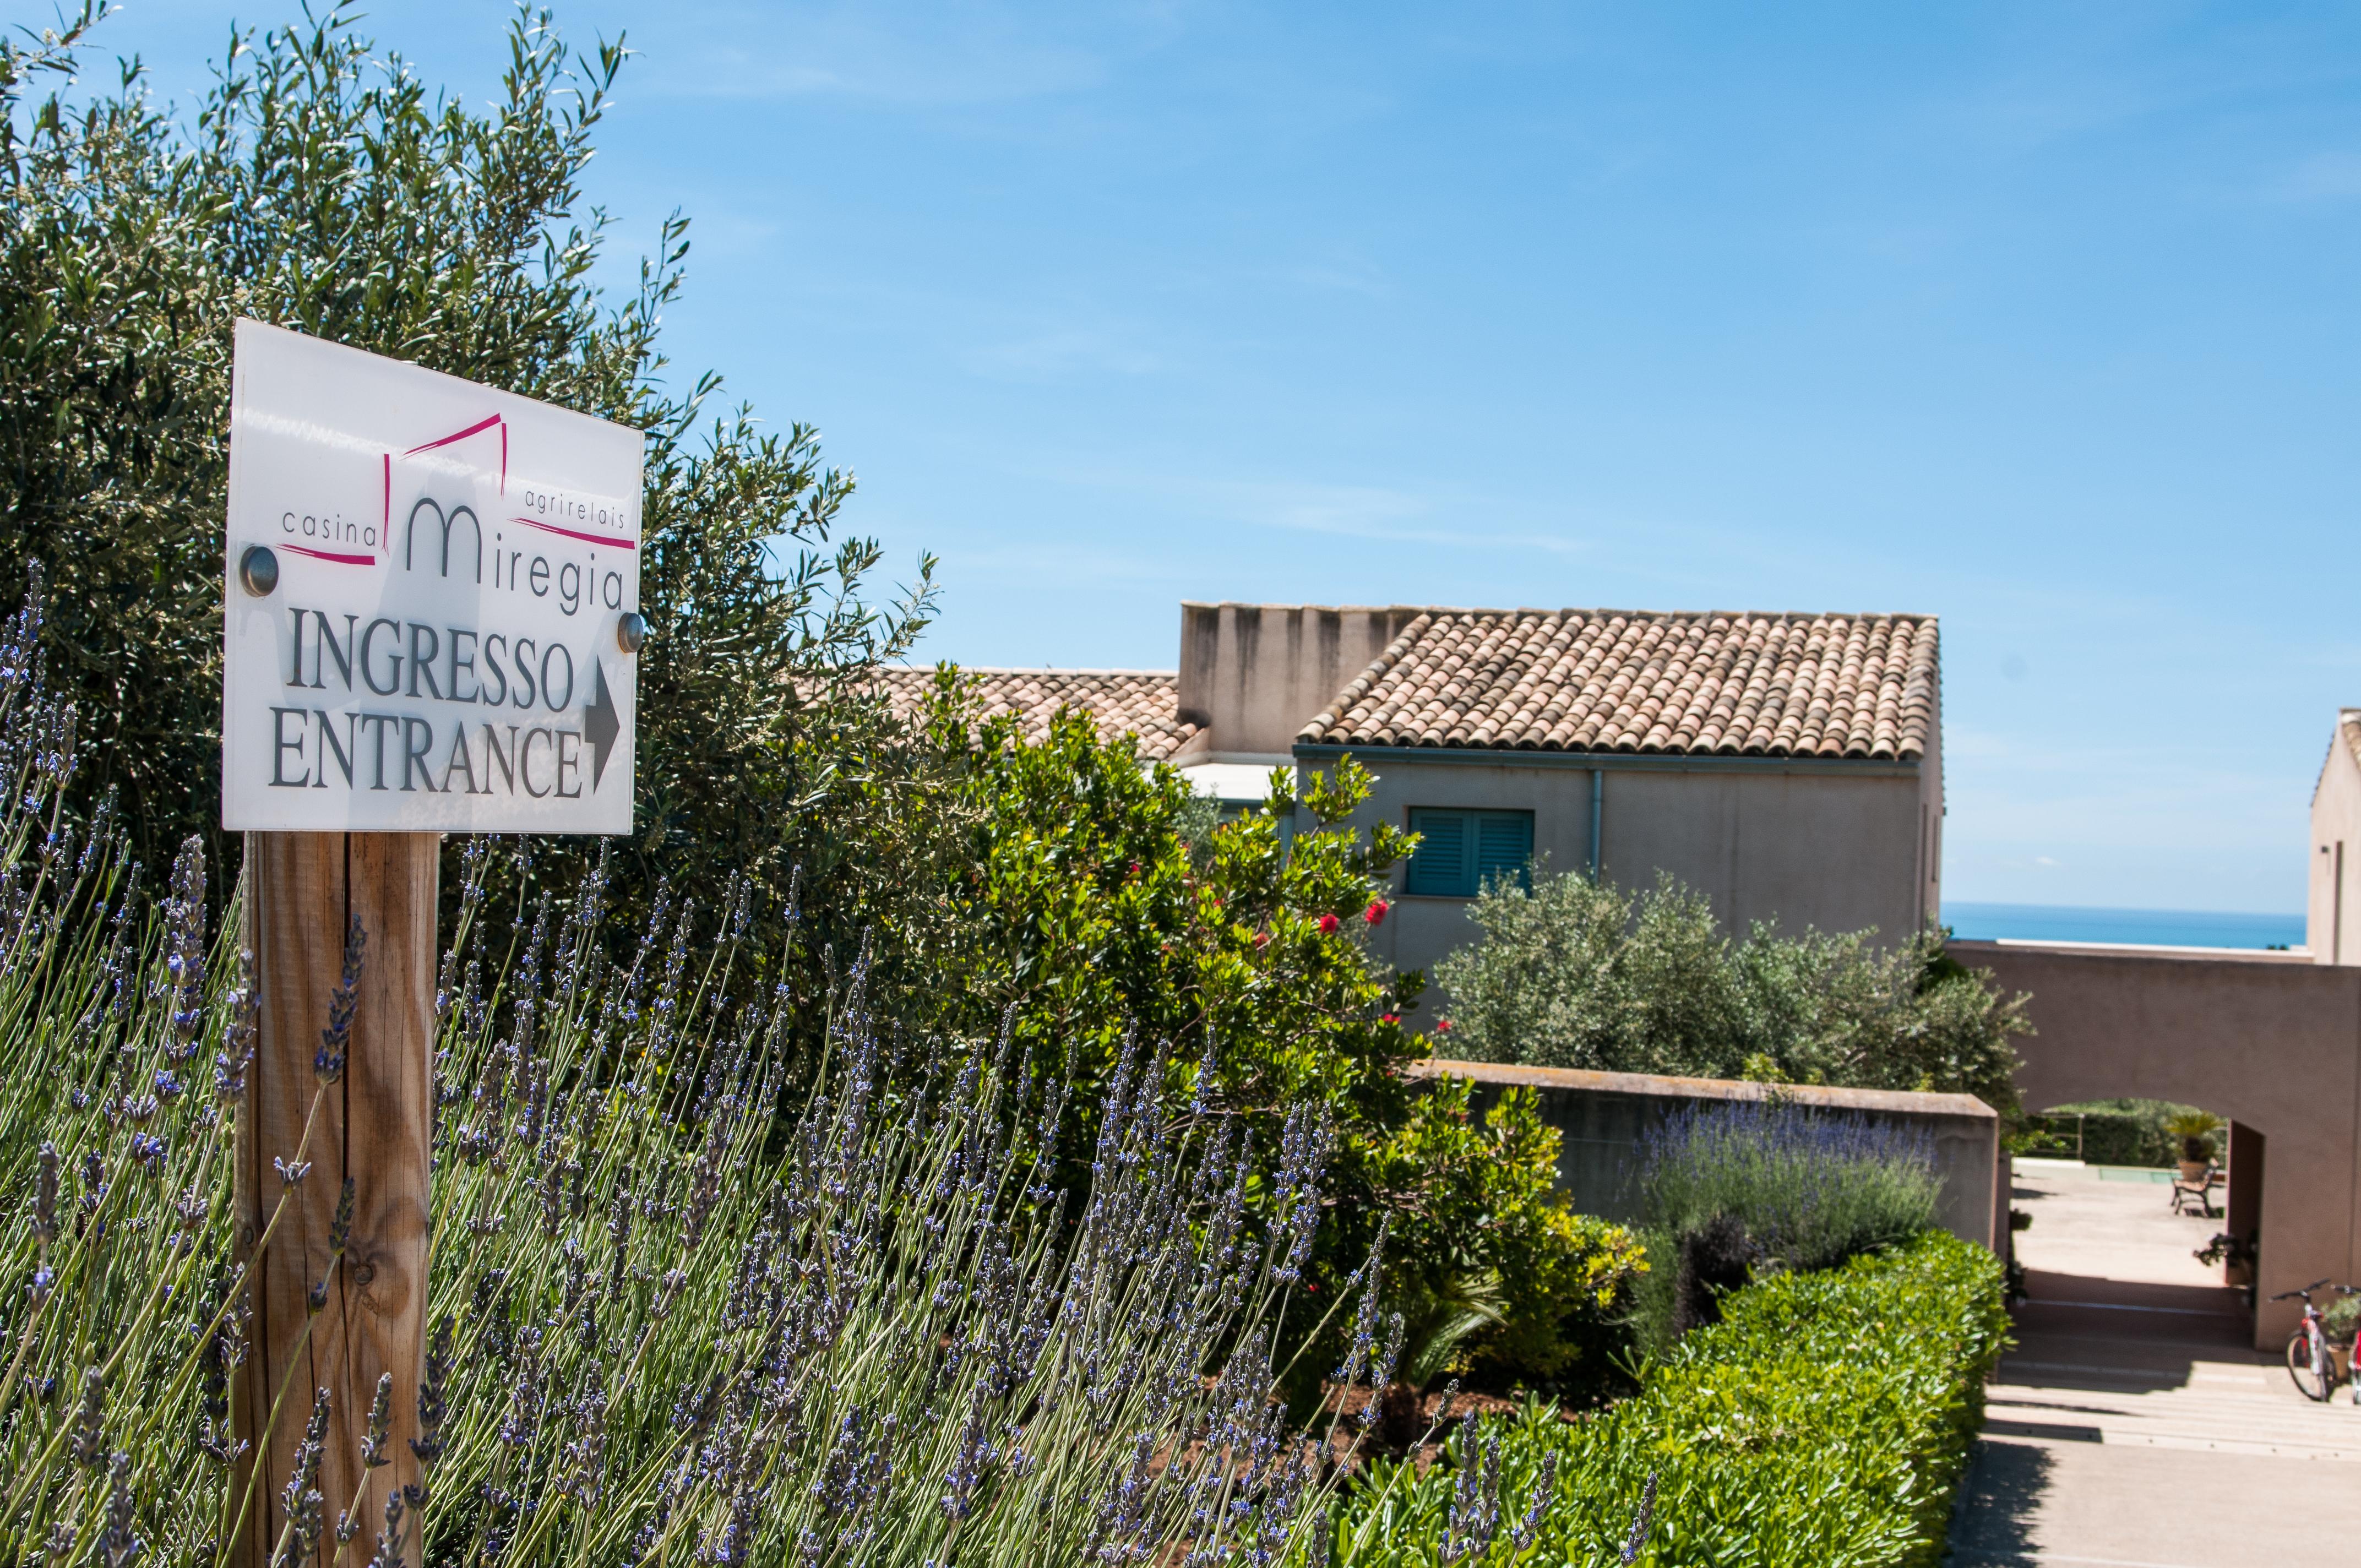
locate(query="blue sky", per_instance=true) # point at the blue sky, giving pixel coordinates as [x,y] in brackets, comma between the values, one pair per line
[2036,317]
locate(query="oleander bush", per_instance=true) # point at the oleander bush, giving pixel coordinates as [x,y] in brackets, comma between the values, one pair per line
[1101,899]
[1824,1423]
[691,1301]
[1502,1281]
[1573,972]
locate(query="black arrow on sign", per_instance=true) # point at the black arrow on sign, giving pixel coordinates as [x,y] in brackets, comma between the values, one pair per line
[600,722]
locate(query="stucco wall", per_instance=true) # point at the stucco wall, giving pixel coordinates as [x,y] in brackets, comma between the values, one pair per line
[2274,1046]
[1602,1116]
[1838,847]
[2332,921]
[1255,674]
[1929,878]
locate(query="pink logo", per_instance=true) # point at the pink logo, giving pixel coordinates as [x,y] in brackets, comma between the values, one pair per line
[487,426]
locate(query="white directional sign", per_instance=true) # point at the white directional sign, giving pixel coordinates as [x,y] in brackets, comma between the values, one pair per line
[433,601]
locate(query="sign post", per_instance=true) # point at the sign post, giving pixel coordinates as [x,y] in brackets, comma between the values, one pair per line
[431,611]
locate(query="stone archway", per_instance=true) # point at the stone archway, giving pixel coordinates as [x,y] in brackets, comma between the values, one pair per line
[2271,1041]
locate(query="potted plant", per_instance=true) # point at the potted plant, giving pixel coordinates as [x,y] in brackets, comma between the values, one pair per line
[2195,1129]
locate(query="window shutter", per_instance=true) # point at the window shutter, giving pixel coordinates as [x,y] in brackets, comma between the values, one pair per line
[1504,844]
[1440,864]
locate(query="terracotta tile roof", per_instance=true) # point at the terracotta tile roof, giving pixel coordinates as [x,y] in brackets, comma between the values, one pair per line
[1724,682]
[1146,702]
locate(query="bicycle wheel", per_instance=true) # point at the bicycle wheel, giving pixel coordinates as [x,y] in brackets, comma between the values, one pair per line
[2306,1359]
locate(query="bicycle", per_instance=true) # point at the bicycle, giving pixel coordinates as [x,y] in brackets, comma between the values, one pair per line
[2312,1355]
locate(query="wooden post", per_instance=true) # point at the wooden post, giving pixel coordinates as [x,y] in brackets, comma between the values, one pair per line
[303,888]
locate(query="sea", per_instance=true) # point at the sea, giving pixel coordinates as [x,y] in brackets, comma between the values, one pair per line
[2084,922]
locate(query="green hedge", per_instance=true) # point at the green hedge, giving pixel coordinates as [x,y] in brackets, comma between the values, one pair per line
[1823,1423]
[2111,1131]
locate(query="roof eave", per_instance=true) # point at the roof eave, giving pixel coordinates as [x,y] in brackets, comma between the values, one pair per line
[1612,762]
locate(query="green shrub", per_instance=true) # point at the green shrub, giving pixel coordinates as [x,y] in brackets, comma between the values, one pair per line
[2113,1132]
[1478,1215]
[1825,1422]
[1101,900]
[1583,975]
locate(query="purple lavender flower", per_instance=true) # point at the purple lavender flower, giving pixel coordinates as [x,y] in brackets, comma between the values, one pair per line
[335,1040]
[428,1444]
[306,1508]
[45,1196]
[1528,1530]
[380,1424]
[1638,1536]
[1475,1517]
[120,1547]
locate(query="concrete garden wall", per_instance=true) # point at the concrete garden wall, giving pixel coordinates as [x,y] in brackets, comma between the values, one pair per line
[1602,1116]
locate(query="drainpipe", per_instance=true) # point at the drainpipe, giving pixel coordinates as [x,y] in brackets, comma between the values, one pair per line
[1597,807]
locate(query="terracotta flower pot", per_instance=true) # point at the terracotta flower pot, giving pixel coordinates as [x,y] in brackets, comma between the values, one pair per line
[2194,1170]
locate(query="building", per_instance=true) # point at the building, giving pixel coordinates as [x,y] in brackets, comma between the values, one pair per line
[2335,879]
[1788,767]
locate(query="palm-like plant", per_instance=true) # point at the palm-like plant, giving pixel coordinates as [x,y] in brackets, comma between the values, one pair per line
[2195,1129]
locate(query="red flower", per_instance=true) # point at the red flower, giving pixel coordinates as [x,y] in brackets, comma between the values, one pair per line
[1376,913]
[1135,869]
[1388,1017]
[1442,1026]
[1327,924]
[1262,940]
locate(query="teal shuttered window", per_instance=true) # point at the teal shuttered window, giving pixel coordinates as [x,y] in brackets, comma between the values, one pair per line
[1458,851]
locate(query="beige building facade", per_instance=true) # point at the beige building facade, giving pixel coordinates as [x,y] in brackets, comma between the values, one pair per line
[2334,904]
[1789,768]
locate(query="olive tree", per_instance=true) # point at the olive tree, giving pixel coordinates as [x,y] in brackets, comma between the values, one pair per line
[320,184]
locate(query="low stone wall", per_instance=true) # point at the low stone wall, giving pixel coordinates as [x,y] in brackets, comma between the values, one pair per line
[1602,1116]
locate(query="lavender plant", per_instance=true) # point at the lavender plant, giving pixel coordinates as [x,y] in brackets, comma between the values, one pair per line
[680,1311]
[683,1329]
[122,1029]
[1727,1190]
[1812,1188]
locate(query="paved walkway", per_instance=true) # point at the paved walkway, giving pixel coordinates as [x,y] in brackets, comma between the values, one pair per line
[2133,1426]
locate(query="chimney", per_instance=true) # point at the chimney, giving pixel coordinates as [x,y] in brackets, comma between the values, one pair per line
[1254,674]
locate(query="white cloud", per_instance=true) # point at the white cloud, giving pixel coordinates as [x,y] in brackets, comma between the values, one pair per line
[1369,511]
[1059,353]
[2322,177]
[946,58]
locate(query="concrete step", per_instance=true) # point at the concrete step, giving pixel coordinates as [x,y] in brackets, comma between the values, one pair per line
[2221,1408]
[2197,1441]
